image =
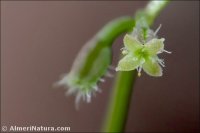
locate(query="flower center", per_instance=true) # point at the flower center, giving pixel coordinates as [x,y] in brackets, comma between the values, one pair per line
[141,53]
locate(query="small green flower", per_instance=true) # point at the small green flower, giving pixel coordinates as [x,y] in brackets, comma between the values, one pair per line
[141,52]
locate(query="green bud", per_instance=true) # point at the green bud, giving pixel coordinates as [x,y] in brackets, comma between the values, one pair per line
[93,60]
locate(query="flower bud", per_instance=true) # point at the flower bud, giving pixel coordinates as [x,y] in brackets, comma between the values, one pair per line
[93,60]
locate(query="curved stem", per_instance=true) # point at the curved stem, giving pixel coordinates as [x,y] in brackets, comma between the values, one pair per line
[115,28]
[102,40]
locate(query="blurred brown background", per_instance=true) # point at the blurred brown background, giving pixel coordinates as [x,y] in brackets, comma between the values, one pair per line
[41,39]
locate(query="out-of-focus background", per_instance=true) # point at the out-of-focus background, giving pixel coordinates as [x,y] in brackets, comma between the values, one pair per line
[39,41]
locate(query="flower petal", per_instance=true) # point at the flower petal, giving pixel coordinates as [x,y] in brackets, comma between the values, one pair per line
[154,46]
[152,68]
[131,43]
[128,63]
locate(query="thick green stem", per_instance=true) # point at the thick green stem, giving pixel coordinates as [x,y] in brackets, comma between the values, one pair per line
[121,96]
[120,99]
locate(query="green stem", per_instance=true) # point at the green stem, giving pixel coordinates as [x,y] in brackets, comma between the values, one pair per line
[115,28]
[121,95]
[104,39]
[154,8]
[120,99]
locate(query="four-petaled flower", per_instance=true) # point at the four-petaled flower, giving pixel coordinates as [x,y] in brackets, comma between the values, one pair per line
[141,52]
